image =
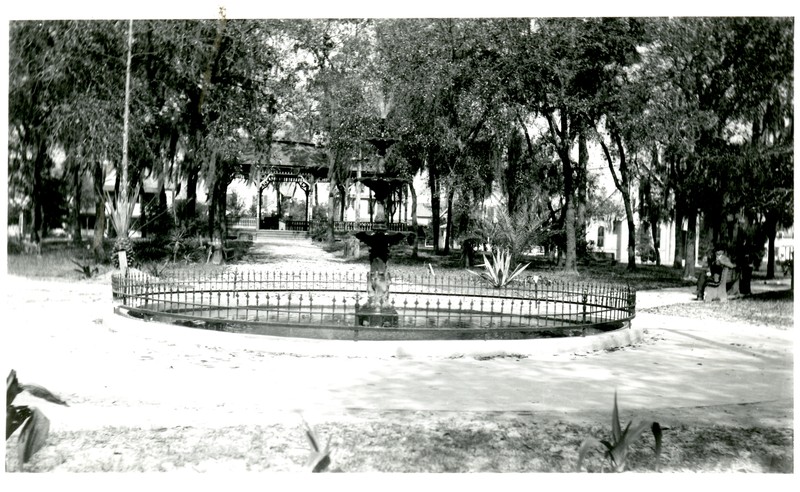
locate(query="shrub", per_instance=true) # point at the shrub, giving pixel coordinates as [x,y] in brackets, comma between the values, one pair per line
[151,248]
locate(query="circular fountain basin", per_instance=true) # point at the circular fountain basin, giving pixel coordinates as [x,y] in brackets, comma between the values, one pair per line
[326,307]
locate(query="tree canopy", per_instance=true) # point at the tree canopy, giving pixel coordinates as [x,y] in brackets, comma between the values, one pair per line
[692,117]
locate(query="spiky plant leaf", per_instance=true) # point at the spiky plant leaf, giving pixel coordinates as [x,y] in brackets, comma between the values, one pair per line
[15,416]
[656,428]
[587,446]
[12,387]
[32,436]
[43,393]
[319,459]
[621,440]
[616,433]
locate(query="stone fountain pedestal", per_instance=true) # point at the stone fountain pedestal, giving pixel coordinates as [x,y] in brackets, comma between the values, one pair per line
[378,311]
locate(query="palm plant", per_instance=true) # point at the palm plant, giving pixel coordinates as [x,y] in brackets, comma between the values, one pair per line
[515,233]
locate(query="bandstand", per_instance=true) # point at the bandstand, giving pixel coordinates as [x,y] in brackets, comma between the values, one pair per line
[303,166]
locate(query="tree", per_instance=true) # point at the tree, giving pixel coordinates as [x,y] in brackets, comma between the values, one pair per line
[446,95]
[710,79]
[559,74]
[64,93]
[338,115]
[654,196]
[38,84]
[204,89]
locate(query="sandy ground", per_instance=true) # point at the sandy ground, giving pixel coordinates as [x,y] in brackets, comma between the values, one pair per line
[65,336]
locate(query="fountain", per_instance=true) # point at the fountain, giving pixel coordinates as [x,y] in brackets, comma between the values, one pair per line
[377,311]
[320,305]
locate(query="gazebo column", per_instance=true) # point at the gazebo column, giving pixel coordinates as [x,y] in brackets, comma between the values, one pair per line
[306,191]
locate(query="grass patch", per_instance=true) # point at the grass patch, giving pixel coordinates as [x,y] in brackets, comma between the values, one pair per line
[422,443]
[54,262]
[774,308]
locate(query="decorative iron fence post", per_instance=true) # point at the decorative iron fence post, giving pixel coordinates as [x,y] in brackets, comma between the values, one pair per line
[631,302]
[584,297]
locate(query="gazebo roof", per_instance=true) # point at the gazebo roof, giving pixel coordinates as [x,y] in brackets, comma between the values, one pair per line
[298,157]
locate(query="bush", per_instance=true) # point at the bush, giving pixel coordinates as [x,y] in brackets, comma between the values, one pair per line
[318,230]
[151,248]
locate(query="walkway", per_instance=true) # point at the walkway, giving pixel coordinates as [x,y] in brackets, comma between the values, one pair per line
[64,336]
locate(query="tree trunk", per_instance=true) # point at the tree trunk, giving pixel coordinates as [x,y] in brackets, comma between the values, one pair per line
[622,183]
[691,236]
[680,241]
[123,196]
[98,248]
[211,219]
[449,227]
[37,229]
[626,198]
[570,255]
[435,208]
[656,240]
[563,145]
[162,200]
[414,224]
[331,210]
[219,224]
[76,208]
[581,186]
[772,231]
[191,194]
[358,185]
[343,201]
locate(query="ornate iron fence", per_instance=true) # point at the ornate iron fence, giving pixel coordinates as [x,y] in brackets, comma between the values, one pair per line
[325,305]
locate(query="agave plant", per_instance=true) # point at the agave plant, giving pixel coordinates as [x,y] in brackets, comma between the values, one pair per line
[35,426]
[498,271]
[86,269]
[618,447]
